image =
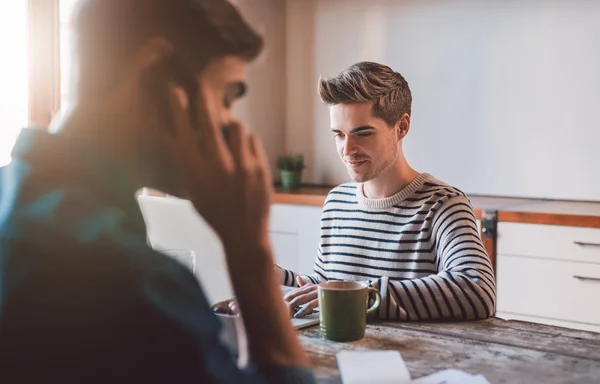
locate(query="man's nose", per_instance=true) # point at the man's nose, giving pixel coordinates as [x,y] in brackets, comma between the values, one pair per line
[349,147]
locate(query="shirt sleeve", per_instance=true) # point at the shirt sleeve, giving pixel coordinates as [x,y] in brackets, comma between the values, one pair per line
[288,277]
[464,287]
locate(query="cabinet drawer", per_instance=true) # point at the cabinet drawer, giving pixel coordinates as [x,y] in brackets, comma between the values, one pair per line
[549,242]
[283,218]
[549,288]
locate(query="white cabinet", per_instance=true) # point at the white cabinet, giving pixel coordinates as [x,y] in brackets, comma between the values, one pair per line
[309,235]
[295,232]
[550,242]
[285,249]
[282,218]
[549,274]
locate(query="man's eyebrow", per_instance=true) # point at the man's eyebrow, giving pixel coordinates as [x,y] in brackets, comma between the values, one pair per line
[361,128]
[355,130]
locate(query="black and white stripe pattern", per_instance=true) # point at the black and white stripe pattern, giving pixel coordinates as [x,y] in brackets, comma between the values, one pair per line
[420,248]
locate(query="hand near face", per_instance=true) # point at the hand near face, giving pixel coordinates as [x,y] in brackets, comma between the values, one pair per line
[305,296]
[228,183]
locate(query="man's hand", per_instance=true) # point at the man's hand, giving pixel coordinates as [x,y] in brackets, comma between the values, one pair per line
[305,296]
[229,183]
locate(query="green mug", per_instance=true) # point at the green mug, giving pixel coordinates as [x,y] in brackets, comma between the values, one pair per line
[343,308]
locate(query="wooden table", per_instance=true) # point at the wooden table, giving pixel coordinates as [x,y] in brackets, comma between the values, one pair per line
[503,351]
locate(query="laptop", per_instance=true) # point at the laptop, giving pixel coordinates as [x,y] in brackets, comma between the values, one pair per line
[174,224]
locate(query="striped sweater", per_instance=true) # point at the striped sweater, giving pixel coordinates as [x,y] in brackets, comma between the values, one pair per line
[420,248]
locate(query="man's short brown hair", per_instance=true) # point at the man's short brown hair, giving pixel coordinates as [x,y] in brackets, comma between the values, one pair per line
[108,33]
[369,82]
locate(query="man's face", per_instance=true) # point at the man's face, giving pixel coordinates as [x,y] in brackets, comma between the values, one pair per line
[365,143]
[223,82]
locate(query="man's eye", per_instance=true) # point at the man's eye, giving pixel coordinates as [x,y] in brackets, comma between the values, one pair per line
[364,134]
[337,135]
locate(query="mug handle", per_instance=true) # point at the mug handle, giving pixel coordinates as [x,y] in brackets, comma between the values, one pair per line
[375,305]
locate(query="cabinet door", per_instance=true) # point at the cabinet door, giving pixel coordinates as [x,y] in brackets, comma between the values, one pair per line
[285,249]
[549,274]
[283,230]
[309,234]
[284,218]
[549,290]
[295,232]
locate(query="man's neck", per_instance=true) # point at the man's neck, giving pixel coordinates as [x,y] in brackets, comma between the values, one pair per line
[108,131]
[390,181]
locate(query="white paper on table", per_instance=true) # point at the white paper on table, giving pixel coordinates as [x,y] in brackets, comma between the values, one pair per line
[451,376]
[368,367]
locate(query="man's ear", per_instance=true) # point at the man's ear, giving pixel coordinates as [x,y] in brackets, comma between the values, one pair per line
[150,52]
[403,126]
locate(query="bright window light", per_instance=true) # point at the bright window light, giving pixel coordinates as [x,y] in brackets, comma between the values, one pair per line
[13,74]
[66,48]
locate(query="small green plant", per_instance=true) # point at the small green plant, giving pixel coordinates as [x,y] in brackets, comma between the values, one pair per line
[293,163]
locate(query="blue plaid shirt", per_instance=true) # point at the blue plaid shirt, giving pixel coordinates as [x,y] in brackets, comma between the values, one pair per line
[83,299]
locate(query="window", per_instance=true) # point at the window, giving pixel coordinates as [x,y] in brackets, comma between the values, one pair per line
[66,46]
[13,75]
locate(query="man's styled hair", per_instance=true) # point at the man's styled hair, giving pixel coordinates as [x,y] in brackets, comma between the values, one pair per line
[108,33]
[369,82]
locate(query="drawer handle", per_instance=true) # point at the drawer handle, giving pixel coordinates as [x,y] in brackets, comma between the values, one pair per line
[585,278]
[586,244]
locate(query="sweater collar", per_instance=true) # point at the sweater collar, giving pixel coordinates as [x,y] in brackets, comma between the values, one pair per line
[397,198]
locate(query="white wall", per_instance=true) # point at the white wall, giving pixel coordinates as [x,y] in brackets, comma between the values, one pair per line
[506,93]
[263,110]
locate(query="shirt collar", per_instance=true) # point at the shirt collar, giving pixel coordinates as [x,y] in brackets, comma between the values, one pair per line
[71,160]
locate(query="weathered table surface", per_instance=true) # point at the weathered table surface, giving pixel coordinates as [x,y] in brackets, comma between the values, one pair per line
[503,351]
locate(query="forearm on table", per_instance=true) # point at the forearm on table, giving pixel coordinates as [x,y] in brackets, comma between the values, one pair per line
[271,338]
[449,295]
[286,277]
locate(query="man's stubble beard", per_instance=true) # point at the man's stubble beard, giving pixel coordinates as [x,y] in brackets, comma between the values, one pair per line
[376,172]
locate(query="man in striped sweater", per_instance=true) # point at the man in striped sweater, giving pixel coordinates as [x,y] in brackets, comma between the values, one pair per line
[409,235]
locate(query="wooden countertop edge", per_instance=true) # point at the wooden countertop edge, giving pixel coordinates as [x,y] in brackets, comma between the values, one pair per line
[570,220]
[299,199]
[317,199]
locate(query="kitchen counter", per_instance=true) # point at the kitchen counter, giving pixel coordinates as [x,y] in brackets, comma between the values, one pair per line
[554,212]
[305,195]
[509,209]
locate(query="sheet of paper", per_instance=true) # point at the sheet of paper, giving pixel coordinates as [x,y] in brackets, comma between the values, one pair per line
[451,376]
[368,367]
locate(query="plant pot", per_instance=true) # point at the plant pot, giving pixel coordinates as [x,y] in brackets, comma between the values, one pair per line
[291,179]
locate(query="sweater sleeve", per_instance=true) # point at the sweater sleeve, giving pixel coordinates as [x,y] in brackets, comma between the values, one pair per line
[464,287]
[288,277]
